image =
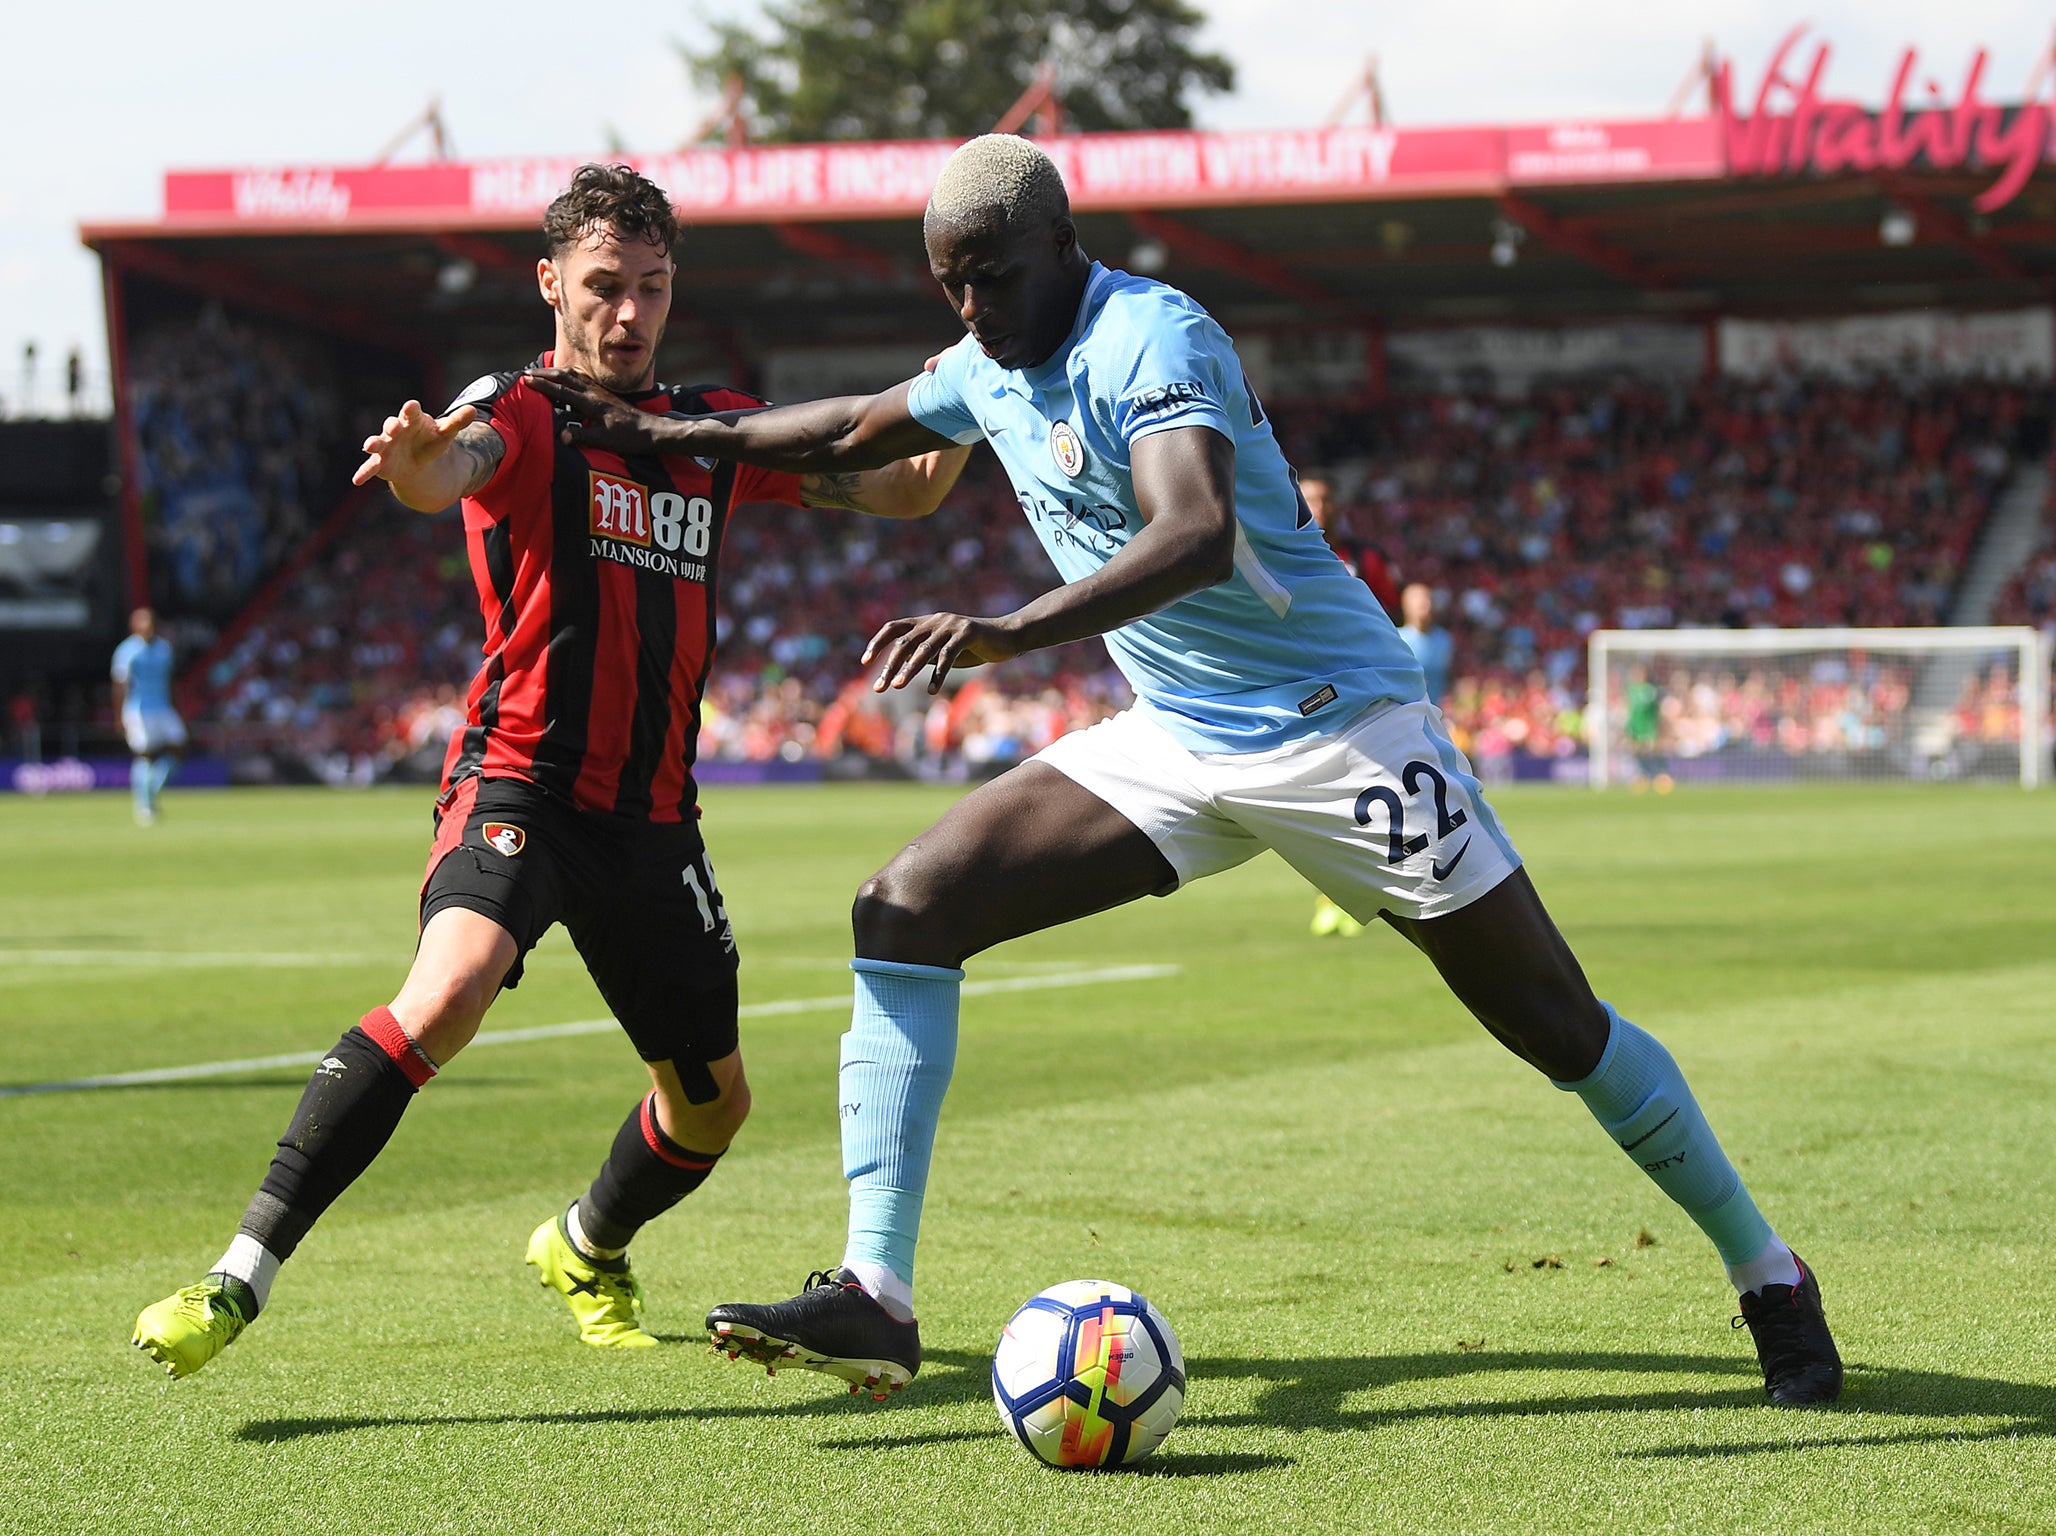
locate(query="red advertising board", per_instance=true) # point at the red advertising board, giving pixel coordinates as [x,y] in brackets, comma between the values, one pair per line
[1792,129]
[1820,134]
[316,195]
[1103,171]
[1675,149]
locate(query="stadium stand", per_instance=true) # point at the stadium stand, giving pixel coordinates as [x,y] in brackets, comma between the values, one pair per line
[358,669]
[1535,520]
[2030,598]
[238,431]
[1570,374]
[1734,504]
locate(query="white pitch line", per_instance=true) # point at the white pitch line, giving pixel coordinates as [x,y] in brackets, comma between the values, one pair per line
[777,1008]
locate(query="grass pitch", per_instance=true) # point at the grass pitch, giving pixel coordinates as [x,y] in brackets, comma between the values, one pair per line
[1417,1288]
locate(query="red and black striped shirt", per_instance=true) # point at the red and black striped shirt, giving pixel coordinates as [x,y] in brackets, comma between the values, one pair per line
[596,577]
[1369,565]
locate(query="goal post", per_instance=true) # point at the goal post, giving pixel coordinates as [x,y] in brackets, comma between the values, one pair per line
[1800,705]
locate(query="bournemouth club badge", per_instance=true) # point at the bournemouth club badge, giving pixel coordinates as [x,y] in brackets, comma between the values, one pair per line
[504,837]
[1065,448]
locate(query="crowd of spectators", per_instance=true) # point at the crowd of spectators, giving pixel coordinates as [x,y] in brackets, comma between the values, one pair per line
[2030,598]
[362,662]
[1534,521]
[1735,504]
[1827,703]
[238,430]
[1849,706]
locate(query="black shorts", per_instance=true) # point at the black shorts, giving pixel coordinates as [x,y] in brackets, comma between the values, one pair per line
[637,897]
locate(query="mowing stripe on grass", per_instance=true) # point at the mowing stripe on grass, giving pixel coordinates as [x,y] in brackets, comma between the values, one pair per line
[195,958]
[779,1007]
[266,960]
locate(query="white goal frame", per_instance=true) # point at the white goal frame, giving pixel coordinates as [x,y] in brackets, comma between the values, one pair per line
[1938,640]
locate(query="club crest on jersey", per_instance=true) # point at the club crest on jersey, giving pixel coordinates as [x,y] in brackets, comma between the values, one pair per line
[478,389]
[1065,448]
[504,837]
[620,507]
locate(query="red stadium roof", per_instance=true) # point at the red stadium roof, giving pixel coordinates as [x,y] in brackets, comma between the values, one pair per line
[1782,201]
[1778,203]
[1104,171]
[1789,129]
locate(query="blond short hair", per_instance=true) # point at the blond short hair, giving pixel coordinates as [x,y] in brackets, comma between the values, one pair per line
[1002,174]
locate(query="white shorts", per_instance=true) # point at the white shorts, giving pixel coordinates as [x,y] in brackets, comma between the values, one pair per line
[1382,816]
[151,731]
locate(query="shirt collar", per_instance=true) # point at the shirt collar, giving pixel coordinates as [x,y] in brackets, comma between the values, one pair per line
[639,397]
[1053,367]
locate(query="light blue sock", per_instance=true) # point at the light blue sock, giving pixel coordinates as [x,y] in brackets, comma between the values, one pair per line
[1640,1096]
[139,783]
[896,1065]
[161,770]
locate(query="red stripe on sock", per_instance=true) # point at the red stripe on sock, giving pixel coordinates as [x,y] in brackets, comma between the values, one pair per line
[395,1042]
[665,1147]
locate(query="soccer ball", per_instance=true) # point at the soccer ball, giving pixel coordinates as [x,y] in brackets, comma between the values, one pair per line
[1088,1374]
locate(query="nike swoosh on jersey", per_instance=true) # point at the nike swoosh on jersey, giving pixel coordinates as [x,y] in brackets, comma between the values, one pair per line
[1444,871]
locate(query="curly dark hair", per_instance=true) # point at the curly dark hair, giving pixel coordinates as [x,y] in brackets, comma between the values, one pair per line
[615,196]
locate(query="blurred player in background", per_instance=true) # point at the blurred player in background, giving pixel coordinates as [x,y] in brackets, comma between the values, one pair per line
[1430,642]
[1276,706]
[1366,561]
[568,796]
[1370,566]
[1644,730]
[156,735]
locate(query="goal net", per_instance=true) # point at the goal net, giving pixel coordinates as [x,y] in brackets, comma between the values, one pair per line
[1792,705]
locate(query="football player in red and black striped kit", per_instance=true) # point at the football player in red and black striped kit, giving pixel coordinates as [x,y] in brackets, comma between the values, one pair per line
[568,796]
[1367,561]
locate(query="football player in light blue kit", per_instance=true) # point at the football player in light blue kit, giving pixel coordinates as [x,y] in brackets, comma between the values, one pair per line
[1276,707]
[142,671]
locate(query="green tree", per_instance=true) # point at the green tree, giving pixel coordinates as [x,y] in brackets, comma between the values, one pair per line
[894,69]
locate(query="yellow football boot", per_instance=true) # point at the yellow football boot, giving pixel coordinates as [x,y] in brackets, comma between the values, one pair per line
[607,1303]
[186,1330]
[1330,921]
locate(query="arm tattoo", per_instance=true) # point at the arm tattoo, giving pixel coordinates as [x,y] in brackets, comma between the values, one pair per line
[834,490]
[479,449]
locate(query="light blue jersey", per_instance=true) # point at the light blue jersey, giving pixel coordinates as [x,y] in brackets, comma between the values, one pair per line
[1434,650]
[1290,646]
[144,668]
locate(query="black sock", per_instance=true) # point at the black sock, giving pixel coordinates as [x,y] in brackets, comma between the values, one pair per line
[645,1174]
[239,1294]
[351,1107]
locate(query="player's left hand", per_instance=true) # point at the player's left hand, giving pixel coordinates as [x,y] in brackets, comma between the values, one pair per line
[605,420]
[938,641]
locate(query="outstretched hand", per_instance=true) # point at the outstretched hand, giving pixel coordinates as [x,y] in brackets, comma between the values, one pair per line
[605,420]
[409,443]
[938,641]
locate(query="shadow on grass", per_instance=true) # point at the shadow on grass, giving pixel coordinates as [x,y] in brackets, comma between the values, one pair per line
[266,1081]
[1223,1464]
[1311,1394]
[1314,1394]
[948,1377]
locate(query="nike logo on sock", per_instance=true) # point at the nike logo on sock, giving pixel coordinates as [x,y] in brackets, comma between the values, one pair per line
[1444,871]
[1629,1146]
